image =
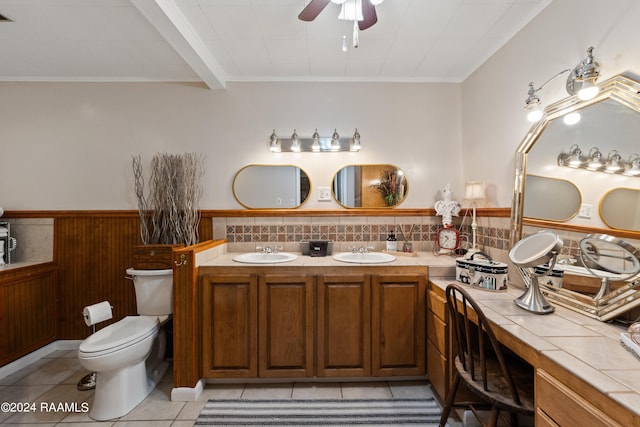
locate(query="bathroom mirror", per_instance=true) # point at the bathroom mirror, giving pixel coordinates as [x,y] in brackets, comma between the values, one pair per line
[620,208]
[613,118]
[271,187]
[370,186]
[550,198]
[612,261]
[609,121]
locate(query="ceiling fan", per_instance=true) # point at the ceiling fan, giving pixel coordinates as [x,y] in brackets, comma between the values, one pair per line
[363,11]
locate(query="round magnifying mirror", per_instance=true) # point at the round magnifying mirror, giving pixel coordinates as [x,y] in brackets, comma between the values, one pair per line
[601,254]
[533,250]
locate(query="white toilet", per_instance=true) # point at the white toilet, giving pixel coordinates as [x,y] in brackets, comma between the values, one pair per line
[128,355]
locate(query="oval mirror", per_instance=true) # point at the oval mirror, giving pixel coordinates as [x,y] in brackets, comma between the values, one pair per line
[620,208]
[370,186]
[271,186]
[550,198]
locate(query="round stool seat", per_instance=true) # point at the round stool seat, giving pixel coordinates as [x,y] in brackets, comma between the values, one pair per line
[119,335]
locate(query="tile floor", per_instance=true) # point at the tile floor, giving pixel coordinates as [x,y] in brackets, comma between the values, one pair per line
[52,380]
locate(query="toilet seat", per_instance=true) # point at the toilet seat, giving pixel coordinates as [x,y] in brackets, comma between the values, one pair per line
[119,335]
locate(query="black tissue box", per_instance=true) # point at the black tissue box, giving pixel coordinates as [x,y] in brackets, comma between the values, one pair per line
[318,247]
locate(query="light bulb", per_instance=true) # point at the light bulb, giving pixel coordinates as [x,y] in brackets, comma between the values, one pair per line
[315,147]
[588,92]
[344,43]
[534,115]
[571,118]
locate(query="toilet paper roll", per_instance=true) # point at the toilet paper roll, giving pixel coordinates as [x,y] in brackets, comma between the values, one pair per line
[97,313]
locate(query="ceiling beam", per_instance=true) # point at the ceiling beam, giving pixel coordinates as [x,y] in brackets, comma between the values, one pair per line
[171,23]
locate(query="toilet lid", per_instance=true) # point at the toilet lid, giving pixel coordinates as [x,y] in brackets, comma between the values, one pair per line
[121,334]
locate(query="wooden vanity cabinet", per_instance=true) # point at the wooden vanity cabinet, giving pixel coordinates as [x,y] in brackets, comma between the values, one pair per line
[267,322]
[285,326]
[398,324]
[230,326]
[343,325]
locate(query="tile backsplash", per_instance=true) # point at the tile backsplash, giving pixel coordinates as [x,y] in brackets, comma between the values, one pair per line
[243,234]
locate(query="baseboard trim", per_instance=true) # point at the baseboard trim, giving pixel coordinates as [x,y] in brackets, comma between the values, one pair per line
[42,352]
[187,394]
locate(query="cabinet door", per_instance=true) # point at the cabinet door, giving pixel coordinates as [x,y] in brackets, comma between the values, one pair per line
[229,327]
[343,325]
[286,332]
[398,324]
[27,313]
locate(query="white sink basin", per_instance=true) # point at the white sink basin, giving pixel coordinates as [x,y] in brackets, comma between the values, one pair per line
[266,258]
[364,258]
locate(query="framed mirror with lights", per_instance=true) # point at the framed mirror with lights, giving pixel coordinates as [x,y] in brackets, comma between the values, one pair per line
[609,124]
[603,128]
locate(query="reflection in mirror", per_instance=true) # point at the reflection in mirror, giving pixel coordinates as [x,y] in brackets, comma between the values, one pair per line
[550,198]
[370,186]
[620,208]
[271,186]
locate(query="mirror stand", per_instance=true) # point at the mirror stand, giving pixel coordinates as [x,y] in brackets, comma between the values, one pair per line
[532,300]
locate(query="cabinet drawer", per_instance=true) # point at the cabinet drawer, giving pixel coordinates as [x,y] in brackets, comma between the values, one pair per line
[543,420]
[437,371]
[437,304]
[437,332]
[564,406]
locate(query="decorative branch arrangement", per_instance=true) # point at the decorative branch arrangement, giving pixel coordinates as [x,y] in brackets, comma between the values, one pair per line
[170,214]
[391,186]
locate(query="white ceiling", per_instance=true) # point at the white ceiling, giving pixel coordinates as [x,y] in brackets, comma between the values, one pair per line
[218,41]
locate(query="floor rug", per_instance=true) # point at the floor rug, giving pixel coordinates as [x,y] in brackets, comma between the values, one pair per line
[321,412]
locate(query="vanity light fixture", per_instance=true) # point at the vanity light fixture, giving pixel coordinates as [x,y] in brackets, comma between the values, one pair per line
[295,143]
[315,144]
[574,159]
[274,146]
[595,161]
[581,81]
[335,141]
[356,140]
[633,166]
[614,162]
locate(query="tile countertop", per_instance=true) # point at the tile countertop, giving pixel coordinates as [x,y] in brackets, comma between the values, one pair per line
[586,347]
[439,266]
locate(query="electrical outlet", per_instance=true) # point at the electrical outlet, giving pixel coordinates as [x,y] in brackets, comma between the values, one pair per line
[585,211]
[324,193]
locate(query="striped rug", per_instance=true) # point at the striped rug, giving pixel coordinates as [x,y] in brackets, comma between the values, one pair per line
[321,412]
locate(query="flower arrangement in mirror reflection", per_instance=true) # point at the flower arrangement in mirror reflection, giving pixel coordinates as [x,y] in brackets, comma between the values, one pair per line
[392,186]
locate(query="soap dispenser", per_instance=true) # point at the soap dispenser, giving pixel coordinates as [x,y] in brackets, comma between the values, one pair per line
[392,243]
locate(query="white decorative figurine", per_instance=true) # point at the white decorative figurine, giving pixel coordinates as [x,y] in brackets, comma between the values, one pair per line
[447,207]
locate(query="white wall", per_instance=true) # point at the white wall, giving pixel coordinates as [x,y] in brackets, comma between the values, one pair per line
[69,145]
[493,97]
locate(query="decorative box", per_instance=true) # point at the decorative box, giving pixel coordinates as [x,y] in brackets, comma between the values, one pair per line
[153,257]
[554,278]
[482,273]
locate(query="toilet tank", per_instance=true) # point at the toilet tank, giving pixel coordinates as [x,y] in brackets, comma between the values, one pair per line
[154,291]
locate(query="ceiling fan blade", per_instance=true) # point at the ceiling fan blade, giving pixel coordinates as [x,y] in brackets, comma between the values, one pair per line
[369,15]
[313,9]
